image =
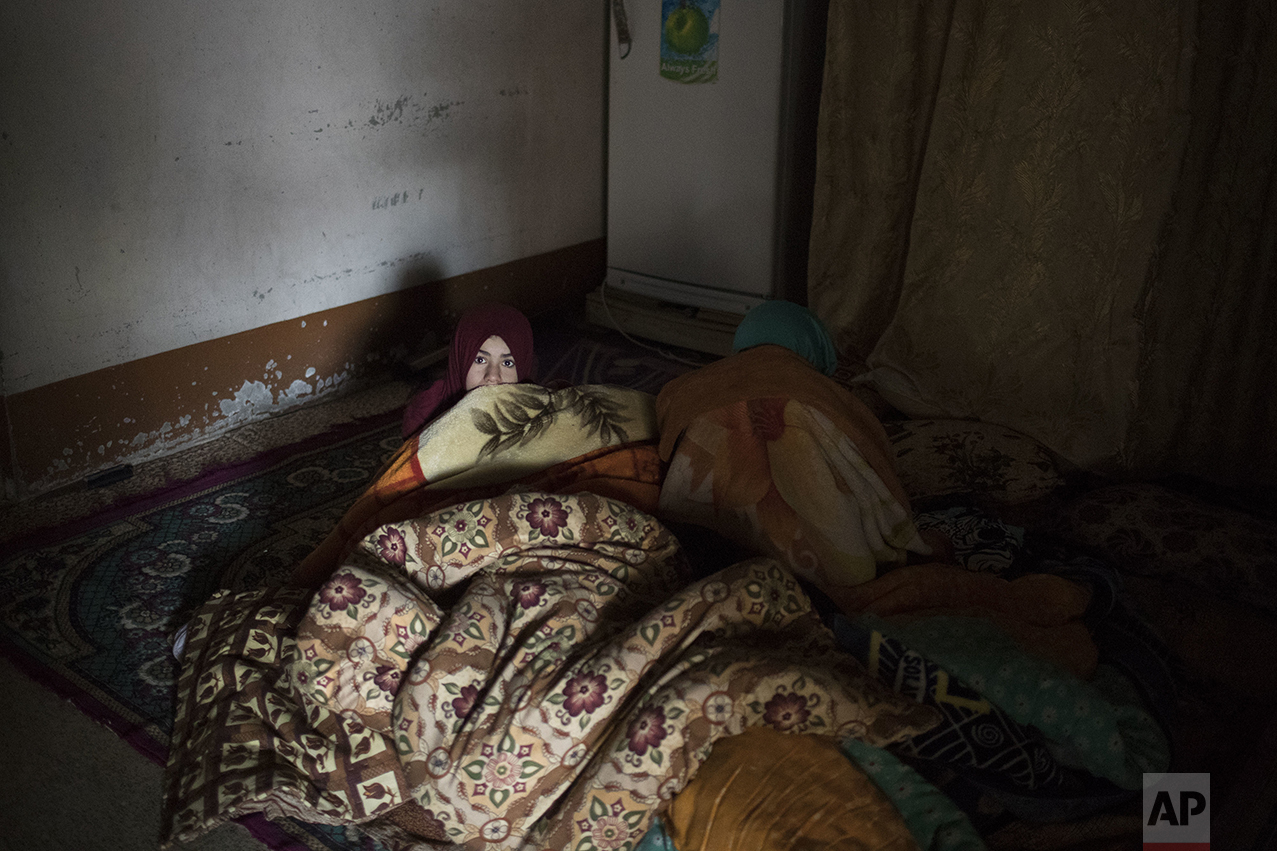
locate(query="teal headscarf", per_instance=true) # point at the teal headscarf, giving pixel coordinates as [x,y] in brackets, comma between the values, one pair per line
[793,326]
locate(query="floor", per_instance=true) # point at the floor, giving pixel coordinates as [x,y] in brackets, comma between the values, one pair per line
[87,790]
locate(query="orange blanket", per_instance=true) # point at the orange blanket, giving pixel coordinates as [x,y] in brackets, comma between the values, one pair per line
[774,455]
[774,372]
[594,438]
[1043,613]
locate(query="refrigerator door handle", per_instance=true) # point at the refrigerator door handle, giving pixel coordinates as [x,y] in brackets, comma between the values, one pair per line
[622,27]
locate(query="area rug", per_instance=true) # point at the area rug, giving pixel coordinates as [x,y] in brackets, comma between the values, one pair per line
[89,608]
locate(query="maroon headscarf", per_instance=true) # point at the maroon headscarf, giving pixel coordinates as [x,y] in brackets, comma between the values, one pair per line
[474,327]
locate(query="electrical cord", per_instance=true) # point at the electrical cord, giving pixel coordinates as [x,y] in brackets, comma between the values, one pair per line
[617,325]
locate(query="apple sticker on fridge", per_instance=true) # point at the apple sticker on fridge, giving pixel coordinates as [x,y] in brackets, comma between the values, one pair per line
[689,40]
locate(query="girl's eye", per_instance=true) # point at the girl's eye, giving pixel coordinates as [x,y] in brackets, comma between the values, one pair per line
[478,359]
[509,363]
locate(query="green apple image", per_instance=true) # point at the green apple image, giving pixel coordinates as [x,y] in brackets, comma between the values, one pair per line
[687,30]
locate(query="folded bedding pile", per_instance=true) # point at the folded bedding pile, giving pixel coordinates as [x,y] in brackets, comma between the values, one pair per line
[504,644]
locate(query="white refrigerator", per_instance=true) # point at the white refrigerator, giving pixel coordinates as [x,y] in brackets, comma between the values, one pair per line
[709,181]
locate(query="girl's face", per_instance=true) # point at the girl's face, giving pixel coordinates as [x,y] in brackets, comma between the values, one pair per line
[492,365]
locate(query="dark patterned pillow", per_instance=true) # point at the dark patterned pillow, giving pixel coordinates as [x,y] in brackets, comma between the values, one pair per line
[975,732]
[941,457]
[980,543]
[1151,530]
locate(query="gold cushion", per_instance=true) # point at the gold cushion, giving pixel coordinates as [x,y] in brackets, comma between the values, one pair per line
[775,791]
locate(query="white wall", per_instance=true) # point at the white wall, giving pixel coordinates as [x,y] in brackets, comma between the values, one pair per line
[173,172]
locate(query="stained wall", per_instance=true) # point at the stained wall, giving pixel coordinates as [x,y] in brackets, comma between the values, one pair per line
[177,174]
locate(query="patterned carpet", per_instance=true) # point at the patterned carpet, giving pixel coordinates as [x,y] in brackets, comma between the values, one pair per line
[90,605]
[97,608]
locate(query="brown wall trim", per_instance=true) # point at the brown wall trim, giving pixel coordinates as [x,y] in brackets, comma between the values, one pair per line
[64,431]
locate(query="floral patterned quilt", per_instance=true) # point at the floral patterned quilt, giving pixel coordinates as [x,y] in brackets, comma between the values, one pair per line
[526,671]
[599,438]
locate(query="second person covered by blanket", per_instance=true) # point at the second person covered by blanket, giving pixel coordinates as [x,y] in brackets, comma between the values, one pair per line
[772,454]
[492,344]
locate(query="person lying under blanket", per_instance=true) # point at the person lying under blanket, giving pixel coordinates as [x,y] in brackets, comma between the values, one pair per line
[487,426]
[492,344]
[769,452]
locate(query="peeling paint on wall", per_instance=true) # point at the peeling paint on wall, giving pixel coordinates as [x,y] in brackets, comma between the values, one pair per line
[415,259]
[254,400]
[407,110]
[247,399]
[385,113]
[297,389]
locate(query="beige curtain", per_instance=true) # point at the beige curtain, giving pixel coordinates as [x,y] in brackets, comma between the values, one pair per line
[1059,217]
